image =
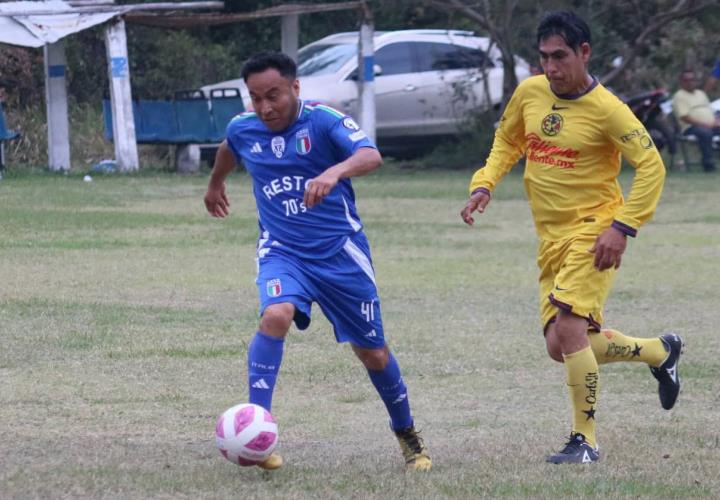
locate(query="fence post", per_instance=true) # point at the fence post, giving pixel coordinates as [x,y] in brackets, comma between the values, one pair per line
[123,121]
[57,106]
[366,74]
[290,32]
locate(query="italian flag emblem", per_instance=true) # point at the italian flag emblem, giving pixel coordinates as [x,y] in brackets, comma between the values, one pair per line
[302,142]
[273,288]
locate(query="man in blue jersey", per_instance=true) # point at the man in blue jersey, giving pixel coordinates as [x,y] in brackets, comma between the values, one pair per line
[311,248]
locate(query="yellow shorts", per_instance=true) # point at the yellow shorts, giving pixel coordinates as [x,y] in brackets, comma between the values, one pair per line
[569,281]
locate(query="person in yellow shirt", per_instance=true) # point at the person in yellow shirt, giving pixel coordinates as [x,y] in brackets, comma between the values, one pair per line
[572,132]
[691,107]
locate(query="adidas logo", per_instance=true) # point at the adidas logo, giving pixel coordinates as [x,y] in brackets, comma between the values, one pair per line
[402,397]
[672,372]
[256,148]
[261,384]
[586,458]
[372,333]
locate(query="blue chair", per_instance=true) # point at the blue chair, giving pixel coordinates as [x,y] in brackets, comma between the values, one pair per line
[5,134]
[108,122]
[184,120]
[158,123]
[193,117]
[225,104]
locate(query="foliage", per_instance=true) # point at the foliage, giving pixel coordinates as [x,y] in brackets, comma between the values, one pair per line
[21,70]
[469,149]
[174,60]
[30,150]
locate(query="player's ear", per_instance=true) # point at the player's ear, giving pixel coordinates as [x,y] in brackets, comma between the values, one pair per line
[585,51]
[296,87]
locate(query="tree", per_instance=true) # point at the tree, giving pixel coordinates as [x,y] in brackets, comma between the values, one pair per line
[620,27]
[642,25]
[500,21]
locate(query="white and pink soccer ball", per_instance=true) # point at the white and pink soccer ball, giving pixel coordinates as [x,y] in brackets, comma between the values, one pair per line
[246,434]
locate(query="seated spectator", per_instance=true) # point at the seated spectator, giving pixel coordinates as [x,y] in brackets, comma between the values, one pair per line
[712,82]
[692,110]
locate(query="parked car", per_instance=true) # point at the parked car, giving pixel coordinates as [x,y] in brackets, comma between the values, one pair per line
[426,81]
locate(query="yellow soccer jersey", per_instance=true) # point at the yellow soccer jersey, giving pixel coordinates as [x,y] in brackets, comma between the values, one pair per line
[572,147]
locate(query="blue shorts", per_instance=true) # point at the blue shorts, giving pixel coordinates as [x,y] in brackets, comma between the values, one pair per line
[342,285]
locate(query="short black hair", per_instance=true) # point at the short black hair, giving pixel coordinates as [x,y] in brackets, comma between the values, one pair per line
[567,25]
[267,60]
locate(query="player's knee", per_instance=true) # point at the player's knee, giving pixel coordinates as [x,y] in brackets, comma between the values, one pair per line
[373,359]
[554,351]
[569,327]
[276,319]
[553,345]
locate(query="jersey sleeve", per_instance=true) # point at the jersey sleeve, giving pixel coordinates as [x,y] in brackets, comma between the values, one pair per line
[636,146]
[347,136]
[716,70]
[234,138]
[508,146]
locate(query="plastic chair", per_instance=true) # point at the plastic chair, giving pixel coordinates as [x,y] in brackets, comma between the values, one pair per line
[5,134]
[193,116]
[225,104]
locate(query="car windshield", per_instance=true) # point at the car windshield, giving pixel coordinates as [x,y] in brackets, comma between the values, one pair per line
[324,59]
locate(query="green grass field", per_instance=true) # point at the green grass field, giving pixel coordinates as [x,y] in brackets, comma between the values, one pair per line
[125,312]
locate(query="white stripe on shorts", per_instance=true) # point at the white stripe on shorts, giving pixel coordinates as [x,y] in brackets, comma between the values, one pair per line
[360,258]
[353,223]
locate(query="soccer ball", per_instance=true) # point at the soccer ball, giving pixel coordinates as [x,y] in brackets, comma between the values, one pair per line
[246,434]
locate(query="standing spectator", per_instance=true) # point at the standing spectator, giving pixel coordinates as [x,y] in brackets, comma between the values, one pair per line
[692,109]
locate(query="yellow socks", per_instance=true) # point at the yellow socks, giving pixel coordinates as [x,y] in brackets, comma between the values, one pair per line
[583,378]
[611,345]
[584,384]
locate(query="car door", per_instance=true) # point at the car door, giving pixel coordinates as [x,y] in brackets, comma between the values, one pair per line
[397,103]
[454,81]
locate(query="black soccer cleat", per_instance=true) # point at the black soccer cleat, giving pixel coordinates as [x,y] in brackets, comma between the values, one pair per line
[667,373]
[576,451]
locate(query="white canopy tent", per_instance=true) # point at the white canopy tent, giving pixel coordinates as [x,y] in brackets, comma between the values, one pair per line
[45,24]
[36,30]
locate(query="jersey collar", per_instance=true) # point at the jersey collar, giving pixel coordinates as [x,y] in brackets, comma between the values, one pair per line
[579,94]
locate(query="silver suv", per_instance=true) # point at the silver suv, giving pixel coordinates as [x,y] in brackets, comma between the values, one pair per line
[426,81]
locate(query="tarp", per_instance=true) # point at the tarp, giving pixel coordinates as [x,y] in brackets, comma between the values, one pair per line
[36,30]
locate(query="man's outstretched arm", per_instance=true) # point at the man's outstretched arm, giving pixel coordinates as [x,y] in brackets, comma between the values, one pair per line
[216,200]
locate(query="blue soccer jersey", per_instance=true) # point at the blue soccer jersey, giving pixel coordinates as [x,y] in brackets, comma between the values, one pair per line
[281,163]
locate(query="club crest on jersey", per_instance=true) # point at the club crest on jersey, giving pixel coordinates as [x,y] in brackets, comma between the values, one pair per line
[278,146]
[350,124]
[274,288]
[552,124]
[302,142]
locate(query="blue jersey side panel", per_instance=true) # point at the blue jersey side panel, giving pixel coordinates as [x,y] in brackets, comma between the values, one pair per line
[281,163]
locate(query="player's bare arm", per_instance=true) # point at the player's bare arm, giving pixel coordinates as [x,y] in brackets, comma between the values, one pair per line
[364,161]
[609,248]
[477,202]
[216,200]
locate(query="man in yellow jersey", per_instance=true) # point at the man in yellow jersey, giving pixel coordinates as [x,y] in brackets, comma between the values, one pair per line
[572,132]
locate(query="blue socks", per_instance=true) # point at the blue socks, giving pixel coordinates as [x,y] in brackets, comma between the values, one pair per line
[264,358]
[392,390]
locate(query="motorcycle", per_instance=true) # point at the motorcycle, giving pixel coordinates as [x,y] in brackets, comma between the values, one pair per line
[653,108]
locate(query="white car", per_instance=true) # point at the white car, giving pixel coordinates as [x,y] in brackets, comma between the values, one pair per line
[426,81]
